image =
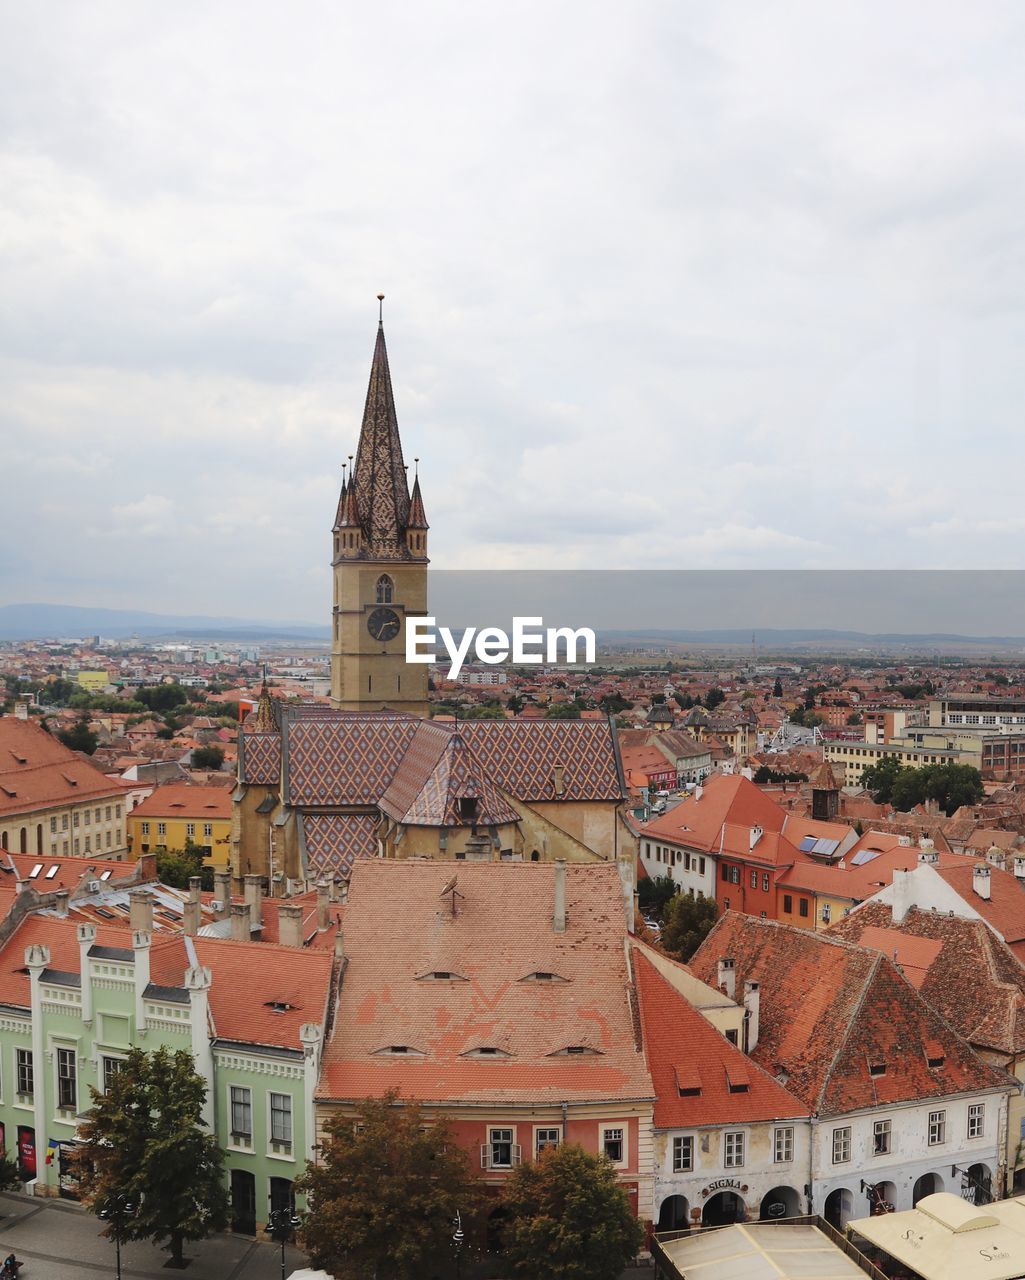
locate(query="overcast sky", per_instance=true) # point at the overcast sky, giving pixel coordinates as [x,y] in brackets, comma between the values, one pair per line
[668,285]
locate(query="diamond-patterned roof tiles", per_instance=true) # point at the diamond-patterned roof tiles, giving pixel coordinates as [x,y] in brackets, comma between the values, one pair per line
[335,840]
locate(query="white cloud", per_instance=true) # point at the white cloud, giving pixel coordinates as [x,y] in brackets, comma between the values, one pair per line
[668,284]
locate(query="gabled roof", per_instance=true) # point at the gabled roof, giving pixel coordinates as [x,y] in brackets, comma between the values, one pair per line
[936,952]
[437,772]
[1005,907]
[698,821]
[685,1051]
[831,1011]
[181,800]
[453,972]
[39,772]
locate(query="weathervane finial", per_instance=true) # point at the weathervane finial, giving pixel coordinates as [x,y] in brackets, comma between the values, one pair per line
[380,308]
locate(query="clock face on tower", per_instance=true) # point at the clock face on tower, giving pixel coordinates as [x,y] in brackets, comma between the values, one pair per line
[384,624]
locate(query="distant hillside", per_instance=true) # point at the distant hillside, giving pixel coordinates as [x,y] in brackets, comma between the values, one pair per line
[50,621]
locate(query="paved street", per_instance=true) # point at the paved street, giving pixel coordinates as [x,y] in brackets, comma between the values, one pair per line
[60,1241]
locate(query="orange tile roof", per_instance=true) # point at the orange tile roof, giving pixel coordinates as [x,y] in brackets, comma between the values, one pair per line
[829,1009]
[400,929]
[181,800]
[38,772]
[1005,909]
[698,823]
[685,1051]
[70,872]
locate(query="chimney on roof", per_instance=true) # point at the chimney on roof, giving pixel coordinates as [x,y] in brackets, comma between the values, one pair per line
[995,856]
[21,709]
[756,835]
[254,900]
[140,911]
[290,924]
[222,892]
[559,772]
[981,881]
[240,918]
[559,914]
[752,1009]
[726,976]
[340,946]
[334,890]
[698,792]
[1019,867]
[928,857]
[60,903]
[323,905]
[191,914]
[903,895]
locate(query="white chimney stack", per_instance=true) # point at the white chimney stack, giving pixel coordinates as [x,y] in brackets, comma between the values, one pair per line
[981,880]
[903,895]
[559,915]
[752,1009]
[756,835]
[1019,868]
[726,976]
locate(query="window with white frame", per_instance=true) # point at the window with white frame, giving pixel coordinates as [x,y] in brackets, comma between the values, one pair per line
[190,829]
[882,1134]
[546,1139]
[683,1155]
[67,1080]
[281,1118]
[501,1143]
[976,1119]
[208,829]
[613,1144]
[145,828]
[783,1144]
[161,828]
[25,1074]
[842,1144]
[937,1128]
[241,1113]
[733,1150]
[111,1068]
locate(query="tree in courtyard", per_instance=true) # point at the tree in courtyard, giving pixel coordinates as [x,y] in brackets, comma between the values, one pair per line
[207,757]
[713,698]
[569,1218]
[385,1192]
[685,923]
[80,737]
[777,688]
[654,893]
[145,1139]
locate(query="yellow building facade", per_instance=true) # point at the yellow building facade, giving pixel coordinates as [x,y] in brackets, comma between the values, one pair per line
[178,815]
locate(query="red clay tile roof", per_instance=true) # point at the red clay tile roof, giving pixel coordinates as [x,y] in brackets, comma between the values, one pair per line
[830,1009]
[685,1050]
[38,772]
[936,951]
[1005,909]
[180,800]
[698,823]
[400,930]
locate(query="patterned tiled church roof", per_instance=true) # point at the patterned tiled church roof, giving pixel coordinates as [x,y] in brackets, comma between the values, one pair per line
[436,773]
[333,841]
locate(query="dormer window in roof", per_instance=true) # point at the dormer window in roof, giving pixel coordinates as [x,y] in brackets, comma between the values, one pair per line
[542,975]
[275,1006]
[441,975]
[398,1051]
[576,1051]
[688,1081]
[738,1079]
[486,1051]
[877,1068]
[935,1054]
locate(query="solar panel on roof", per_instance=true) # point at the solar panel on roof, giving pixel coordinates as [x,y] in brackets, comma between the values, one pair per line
[807,844]
[826,847]
[863,856]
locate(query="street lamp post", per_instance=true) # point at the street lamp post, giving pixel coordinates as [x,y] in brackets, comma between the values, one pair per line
[457,1243]
[117,1209]
[281,1223]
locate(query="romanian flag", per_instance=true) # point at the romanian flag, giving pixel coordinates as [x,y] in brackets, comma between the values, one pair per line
[51,1146]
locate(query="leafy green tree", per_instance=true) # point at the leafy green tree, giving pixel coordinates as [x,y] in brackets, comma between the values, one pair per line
[614,703]
[797,715]
[10,1175]
[384,1193]
[654,893]
[777,688]
[514,703]
[163,697]
[563,711]
[879,778]
[714,698]
[485,711]
[208,757]
[569,1218]
[145,1138]
[686,922]
[854,718]
[80,737]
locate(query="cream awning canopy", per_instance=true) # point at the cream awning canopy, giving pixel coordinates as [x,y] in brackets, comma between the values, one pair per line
[946,1238]
[761,1251]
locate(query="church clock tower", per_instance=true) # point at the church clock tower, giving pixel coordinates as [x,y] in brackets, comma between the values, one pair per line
[380,564]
